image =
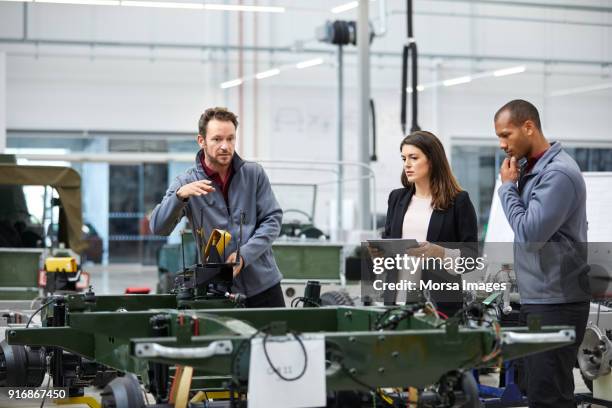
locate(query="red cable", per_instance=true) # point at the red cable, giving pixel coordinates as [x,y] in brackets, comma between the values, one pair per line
[442,315]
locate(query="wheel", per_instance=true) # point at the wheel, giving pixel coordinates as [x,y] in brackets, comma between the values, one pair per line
[456,390]
[336,298]
[470,391]
[21,366]
[123,392]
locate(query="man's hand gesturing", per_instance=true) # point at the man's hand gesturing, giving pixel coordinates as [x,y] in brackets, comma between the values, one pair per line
[197,188]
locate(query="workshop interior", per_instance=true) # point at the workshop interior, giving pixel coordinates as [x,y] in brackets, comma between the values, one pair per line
[292,203]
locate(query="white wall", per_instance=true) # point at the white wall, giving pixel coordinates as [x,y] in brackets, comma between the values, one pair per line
[165,89]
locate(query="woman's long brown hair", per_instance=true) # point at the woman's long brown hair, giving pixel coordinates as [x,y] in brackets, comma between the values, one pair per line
[443,184]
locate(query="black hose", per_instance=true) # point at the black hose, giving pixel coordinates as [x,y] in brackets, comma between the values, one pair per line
[373,112]
[415,70]
[409,51]
[404,90]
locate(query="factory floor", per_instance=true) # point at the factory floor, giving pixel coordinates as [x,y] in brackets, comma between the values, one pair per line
[115,278]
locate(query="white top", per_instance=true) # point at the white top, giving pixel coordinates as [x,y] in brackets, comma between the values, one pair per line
[416,219]
[415,226]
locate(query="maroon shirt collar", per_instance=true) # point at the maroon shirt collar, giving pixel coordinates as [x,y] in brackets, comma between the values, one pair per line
[216,177]
[531,162]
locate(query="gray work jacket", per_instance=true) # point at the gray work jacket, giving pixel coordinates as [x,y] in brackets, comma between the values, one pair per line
[548,217]
[250,194]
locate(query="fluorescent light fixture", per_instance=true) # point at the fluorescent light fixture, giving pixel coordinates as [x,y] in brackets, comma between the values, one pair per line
[420,88]
[232,7]
[345,7]
[162,4]
[85,2]
[232,83]
[309,63]
[457,81]
[583,89]
[509,71]
[268,73]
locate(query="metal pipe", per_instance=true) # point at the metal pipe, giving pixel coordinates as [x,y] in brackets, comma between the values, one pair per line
[240,75]
[25,21]
[291,50]
[503,18]
[382,19]
[340,141]
[363,48]
[513,3]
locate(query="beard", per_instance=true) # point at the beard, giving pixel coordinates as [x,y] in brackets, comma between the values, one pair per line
[217,160]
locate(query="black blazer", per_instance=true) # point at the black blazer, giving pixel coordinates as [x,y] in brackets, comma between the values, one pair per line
[455,228]
[454,225]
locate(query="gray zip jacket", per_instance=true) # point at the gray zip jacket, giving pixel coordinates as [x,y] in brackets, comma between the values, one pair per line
[250,193]
[548,217]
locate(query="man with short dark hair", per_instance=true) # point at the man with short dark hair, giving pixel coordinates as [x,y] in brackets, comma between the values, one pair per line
[545,203]
[219,191]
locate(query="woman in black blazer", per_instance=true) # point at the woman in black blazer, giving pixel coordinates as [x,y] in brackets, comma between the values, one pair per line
[433,209]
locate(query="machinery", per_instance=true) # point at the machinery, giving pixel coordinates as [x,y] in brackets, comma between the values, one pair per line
[178,352]
[24,267]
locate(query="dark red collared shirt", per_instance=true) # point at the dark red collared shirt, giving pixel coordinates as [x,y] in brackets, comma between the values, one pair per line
[216,177]
[531,162]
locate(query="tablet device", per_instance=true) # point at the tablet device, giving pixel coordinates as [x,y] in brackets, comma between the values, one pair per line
[393,246]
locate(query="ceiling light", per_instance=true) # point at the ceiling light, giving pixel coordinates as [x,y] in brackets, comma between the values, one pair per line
[161,4]
[85,2]
[457,81]
[345,7]
[583,89]
[509,71]
[232,83]
[309,63]
[266,74]
[420,88]
[232,7]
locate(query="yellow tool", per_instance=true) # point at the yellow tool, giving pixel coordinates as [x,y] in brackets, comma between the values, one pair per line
[61,264]
[183,387]
[91,402]
[212,395]
[218,239]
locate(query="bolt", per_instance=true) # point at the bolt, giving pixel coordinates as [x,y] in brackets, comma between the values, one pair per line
[395,354]
[381,338]
[353,370]
[348,314]
[381,370]
[351,339]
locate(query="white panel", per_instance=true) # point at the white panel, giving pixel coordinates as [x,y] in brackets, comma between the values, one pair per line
[11,18]
[3,101]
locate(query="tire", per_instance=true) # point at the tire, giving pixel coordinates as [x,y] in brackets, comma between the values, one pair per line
[470,391]
[123,392]
[336,298]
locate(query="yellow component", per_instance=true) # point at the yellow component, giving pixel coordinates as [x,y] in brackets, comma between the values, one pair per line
[219,239]
[91,402]
[413,396]
[182,390]
[199,397]
[219,395]
[61,264]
